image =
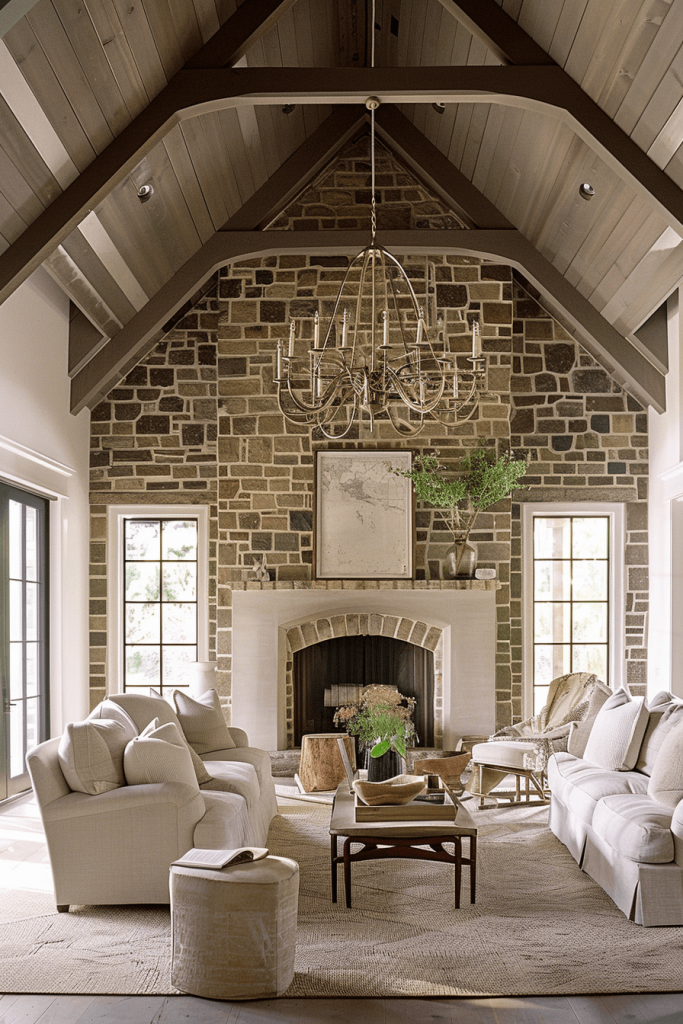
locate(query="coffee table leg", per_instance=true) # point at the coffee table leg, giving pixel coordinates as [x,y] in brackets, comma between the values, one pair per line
[473,868]
[457,849]
[347,871]
[333,854]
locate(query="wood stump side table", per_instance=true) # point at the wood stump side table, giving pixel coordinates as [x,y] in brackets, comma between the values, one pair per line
[321,768]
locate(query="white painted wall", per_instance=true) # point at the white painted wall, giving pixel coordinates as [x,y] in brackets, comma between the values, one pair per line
[45,449]
[665,640]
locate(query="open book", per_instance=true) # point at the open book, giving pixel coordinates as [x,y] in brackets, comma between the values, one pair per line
[220,858]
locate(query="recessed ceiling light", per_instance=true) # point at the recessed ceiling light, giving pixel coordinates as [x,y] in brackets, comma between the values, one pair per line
[586,190]
[288,108]
[145,192]
[439,107]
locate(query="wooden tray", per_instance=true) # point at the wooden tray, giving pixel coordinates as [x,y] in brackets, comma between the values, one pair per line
[416,810]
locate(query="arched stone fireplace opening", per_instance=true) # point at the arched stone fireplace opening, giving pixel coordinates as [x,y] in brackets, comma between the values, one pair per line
[456,619]
[320,630]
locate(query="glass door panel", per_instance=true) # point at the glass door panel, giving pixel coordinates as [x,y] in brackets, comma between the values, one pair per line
[23,632]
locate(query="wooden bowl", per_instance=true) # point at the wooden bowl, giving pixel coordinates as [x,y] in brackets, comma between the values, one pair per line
[399,790]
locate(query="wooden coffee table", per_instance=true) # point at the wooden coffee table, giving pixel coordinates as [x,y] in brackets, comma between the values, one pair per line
[404,839]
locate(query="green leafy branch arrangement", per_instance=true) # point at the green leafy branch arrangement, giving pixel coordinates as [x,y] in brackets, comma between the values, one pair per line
[383,720]
[482,480]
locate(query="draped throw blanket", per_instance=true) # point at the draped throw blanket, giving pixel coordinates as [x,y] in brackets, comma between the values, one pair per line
[569,702]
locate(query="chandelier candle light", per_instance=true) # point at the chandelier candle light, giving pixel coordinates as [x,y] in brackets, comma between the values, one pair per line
[382,358]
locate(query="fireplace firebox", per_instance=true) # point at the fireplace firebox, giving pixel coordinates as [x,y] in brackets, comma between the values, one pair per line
[332,672]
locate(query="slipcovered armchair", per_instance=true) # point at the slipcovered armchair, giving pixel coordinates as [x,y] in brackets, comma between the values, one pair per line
[523,750]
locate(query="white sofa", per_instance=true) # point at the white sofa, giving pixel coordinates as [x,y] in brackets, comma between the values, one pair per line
[117,846]
[617,805]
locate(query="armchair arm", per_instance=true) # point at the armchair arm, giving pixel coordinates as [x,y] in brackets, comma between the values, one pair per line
[552,734]
[126,798]
[116,847]
[548,744]
[239,736]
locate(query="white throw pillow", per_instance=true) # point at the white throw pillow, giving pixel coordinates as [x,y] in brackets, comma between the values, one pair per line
[159,754]
[617,733]
[166,714]
[202,722]
[666,781]
[91,755]
[665,714]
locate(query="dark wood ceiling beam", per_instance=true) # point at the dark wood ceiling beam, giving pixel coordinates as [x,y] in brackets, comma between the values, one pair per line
[248,24]
[130,345]
[436,170]
[191,92]
[497,31]
[258,211]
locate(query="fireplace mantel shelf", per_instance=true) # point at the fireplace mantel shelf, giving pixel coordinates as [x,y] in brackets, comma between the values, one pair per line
[429,585]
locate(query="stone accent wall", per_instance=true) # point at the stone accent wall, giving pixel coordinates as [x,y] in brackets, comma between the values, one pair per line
[197,421]
[589,442]
[154,442]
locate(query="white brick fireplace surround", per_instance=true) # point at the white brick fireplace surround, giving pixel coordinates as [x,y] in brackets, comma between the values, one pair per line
[263,613]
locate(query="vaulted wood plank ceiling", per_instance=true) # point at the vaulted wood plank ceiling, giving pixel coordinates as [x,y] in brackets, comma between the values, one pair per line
[78,80]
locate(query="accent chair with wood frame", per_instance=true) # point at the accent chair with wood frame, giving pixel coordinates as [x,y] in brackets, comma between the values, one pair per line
[523,750]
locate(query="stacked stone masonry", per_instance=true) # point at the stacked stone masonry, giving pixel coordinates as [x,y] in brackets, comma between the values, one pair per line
[197,422]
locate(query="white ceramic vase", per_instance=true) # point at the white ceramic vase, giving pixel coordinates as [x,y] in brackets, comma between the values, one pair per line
[202,675]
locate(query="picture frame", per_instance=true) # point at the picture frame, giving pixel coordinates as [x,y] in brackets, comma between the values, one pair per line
[363,515]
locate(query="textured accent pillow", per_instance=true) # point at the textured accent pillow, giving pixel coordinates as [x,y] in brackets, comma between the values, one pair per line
[666,781]
[660,699]
[142,708]
[159,754]
[665,715]
[617,733]
[167,714]
[578,738]
[202,722]
[91,755]
[108,709]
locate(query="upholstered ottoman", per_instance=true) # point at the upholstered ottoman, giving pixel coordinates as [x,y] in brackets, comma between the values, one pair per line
[234,930]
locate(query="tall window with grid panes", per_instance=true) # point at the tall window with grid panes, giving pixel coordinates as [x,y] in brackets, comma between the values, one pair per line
[159,602]
[571,598]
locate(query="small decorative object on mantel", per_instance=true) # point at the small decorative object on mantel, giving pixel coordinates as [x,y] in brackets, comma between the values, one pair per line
[483,480]
[484,574]
[260,572]
[383,722]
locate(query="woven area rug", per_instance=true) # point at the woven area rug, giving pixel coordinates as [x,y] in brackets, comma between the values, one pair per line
[539,927]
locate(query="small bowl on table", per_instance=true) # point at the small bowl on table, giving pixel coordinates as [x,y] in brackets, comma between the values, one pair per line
[399,790]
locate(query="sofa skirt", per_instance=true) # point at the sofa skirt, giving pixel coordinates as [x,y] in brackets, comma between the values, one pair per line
[649,894]
[569,829]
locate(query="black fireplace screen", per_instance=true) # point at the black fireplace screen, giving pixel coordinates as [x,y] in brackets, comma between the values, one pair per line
[361,661]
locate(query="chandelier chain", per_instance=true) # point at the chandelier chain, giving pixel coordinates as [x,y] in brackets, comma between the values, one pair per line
[373,200]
